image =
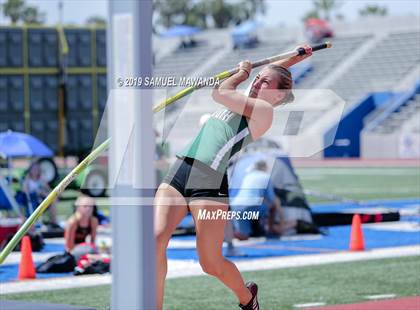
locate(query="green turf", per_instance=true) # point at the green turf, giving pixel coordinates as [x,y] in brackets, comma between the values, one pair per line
[279,289]
[362,183]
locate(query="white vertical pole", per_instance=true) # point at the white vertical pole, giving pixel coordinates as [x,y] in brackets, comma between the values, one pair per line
[129,55]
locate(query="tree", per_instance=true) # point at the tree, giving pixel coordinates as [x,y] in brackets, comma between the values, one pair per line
[31,15]
[172,12]
[248,9]
[326,7]
[373,10]
[221,13]
[14,9]
[199,12]
[254,7]
[17,11]
[311,14]
[96,21]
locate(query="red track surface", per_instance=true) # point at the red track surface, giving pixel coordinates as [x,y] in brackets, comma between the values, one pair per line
[407,303]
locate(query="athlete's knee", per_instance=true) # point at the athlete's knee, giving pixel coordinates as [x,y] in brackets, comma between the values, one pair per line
[211,265]
[162,236]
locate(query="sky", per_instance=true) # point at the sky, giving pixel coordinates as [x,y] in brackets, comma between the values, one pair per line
[286,12]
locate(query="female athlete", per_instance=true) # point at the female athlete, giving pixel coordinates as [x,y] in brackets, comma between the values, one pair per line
[197,181]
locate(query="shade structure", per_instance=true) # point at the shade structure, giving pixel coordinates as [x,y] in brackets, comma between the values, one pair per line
[245,28]
[18,144]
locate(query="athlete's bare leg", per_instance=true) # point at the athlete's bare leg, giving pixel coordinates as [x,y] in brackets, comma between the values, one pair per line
[210,235]
[170,208]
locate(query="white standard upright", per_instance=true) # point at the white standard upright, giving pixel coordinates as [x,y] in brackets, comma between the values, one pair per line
[131,175]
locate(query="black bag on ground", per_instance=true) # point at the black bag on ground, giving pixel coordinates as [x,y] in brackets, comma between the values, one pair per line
[97,267]
[59,263]
[304,227]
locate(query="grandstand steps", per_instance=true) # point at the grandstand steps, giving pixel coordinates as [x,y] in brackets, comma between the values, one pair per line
[381,67]
[409,80]
[396,135]
[329,63]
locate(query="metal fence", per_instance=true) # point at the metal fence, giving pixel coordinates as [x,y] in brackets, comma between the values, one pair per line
[53,84]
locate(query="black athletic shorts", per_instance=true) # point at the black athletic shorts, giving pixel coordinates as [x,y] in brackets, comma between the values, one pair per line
[195,180]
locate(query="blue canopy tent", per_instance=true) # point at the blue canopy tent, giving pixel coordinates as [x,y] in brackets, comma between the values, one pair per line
[13,145]
[180,31]
[7,201]
[12,219]
[244,35]
[18,144]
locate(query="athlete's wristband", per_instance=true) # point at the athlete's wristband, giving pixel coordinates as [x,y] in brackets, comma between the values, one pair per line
[245,71]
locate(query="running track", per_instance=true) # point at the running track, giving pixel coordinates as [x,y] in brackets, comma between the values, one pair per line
[407,303]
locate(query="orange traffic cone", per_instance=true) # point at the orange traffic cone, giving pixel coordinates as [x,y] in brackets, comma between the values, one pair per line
[357,242]
[26,267]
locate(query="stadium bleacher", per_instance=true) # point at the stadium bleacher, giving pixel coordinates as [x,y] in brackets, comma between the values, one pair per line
[382,68]
[233,57]
[408,113]
[394,130]
[324,62]
[182,62]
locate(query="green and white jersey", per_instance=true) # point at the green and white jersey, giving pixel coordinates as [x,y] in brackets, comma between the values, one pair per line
[222,136]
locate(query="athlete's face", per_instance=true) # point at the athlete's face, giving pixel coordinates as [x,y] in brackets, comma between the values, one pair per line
[265,87]
[85,206]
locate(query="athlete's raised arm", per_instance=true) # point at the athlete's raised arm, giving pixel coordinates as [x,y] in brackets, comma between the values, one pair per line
[287,63]
[227,95]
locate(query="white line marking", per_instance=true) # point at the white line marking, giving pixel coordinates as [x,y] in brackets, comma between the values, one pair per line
[308,305]
[14,258]
[370,210]
[301,237]
[382,296]
[185,268]
[397,226]
[410,210]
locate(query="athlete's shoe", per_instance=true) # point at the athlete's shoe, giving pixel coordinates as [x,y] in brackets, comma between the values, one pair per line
[253,303]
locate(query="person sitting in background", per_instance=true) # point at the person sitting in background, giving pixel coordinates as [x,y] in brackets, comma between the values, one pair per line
[81,224]
[256,194]
[36,189]
[78,252]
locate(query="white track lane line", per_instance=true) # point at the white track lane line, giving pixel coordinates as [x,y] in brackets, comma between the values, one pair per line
[310,305]
[381,296]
